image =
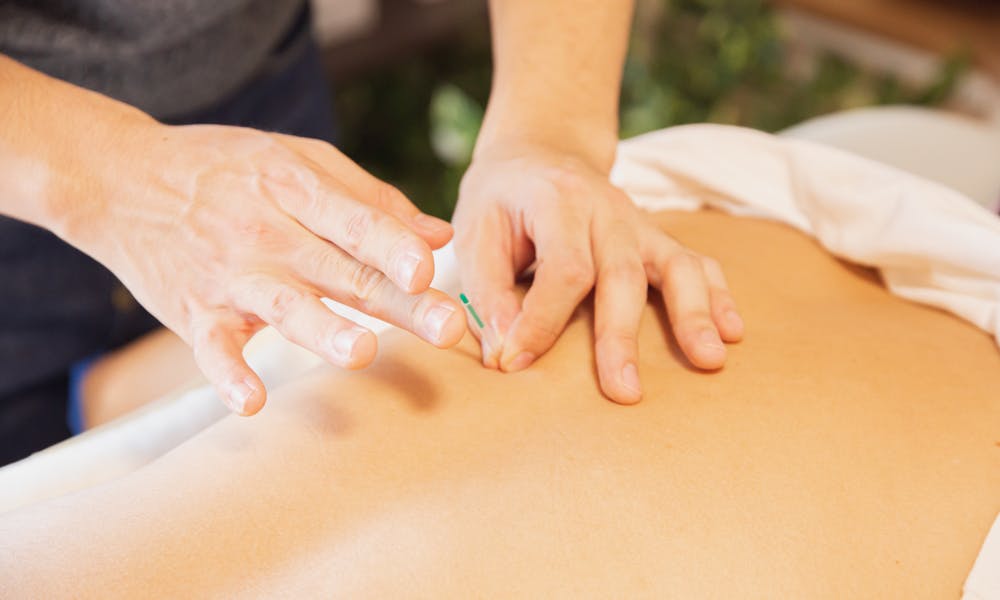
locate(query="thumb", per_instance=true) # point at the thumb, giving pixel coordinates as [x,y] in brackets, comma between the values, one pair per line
[486,268]
[218,351]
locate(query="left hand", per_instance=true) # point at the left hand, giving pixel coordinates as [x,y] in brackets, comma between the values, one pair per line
[528,203]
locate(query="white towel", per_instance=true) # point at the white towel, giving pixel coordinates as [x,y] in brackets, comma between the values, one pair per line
[931,244]
[984,580]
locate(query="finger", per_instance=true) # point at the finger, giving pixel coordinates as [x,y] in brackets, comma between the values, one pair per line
[368,234]
[486,269]
[618,300]
[724,312]
[302,318]
[436,232]
[685,293]
[432,315]
[218,352]
[565,275]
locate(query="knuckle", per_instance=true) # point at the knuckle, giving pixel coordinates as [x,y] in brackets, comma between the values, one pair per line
[321,261]
[692,322]
[282,304]
[625,271]
[580,278]
[680,264]
[576,273]
[211,337]
[317,145]
[399,241]
[568,177]
[389,196]
[255,233]
[710,264]
[543,330]
[722,301]
[205,337]
[417,311]
[632,278]
[613,337]
[366,283]
[208,351]
[359,224]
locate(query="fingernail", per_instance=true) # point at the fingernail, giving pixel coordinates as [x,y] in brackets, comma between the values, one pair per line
[406,268]
[733,318]
[342,346]
[429,223]
[521,361]
[630,379]
[709,338]
[435,320]
[236,395]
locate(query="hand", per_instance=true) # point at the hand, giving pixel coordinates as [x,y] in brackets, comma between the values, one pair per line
[526,204]
[220,231]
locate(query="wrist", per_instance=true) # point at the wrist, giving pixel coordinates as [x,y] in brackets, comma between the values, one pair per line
[61,145]
[593,140]
[57,139]
[90,172]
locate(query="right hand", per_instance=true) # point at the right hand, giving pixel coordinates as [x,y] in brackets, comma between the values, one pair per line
[219,231]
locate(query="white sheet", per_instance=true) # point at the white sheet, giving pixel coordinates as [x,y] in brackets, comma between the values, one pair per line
[984,580]
[930,243]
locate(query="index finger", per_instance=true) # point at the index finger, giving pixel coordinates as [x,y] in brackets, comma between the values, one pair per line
[486,269]
[564,277]
[369,234]
[433,230]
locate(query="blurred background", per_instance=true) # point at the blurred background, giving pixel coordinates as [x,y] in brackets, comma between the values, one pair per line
[411,77]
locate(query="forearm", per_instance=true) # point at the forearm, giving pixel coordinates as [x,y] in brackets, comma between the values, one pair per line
[557,74]
[55,139]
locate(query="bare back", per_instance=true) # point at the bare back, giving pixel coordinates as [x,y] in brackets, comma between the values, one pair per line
[850,448]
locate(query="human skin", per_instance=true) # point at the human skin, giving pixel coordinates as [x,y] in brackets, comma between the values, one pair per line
[537,192]
[221,231]
[848,449]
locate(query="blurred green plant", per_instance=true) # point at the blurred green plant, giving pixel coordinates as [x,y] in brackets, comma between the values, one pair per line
[722,61]
[414,123]
[455,120]
[728,61]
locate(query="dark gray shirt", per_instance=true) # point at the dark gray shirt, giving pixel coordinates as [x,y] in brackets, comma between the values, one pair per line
[166,57]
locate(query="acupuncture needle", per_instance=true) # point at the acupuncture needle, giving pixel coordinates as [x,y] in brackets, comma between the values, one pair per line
[487,332]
